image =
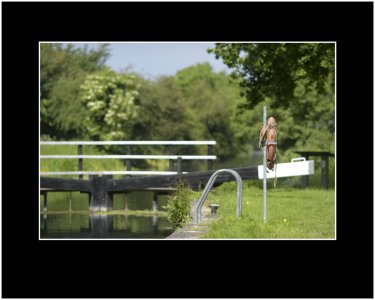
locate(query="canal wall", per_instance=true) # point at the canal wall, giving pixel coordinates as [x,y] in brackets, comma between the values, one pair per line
[193,231]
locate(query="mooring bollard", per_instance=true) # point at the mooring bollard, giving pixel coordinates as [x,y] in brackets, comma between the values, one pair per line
[214,208]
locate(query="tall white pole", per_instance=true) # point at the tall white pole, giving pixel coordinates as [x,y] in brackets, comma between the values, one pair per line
[265,167]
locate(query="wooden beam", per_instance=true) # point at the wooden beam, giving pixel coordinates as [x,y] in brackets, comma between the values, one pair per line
[191,179]
[100,199]
[194,180]
[65,184]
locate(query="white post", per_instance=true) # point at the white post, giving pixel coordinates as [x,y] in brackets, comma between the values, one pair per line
[265,167]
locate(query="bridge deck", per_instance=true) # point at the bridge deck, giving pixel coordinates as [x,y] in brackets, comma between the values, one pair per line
[163,182]
[101,189]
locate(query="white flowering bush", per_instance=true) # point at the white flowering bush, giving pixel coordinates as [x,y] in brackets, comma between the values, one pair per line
[110,101]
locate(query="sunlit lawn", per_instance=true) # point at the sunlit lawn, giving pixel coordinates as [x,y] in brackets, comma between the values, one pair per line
[292,213]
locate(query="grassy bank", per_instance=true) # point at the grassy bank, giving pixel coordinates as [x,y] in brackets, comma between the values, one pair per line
[292,213]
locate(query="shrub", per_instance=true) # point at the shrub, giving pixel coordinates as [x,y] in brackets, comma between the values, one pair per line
[178,206]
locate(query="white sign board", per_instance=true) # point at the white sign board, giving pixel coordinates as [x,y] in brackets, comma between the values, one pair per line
[289,169]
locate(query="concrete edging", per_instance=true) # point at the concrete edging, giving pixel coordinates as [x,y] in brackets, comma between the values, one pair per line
[193,231]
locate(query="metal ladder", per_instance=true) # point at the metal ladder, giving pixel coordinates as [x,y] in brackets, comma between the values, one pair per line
[198,208]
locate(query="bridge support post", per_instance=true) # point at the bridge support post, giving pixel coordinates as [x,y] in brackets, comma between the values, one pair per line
[305,178]
[154,202]
[45,201]
[100,225]
[171,161]
[100,198]
[325,171]
[45,223]
[155,223]
[179,165]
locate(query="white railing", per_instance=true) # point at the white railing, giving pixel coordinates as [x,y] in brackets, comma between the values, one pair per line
[174,157]
[184,143]
[111,173]
[171,157]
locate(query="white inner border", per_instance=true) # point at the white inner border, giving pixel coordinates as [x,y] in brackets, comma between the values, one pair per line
[171,42]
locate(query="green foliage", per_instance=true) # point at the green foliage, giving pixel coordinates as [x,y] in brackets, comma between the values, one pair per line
[62,71]
[273,70]
[295,81]
[178,206]
[211,102]
[163,110]
[82,99]
[196,104]
[110,103]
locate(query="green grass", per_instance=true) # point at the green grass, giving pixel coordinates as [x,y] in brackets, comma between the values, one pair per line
[292,214]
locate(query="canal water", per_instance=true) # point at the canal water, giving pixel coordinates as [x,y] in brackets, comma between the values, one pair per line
[68,218]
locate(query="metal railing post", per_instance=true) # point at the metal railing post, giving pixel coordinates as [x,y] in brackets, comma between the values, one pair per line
[265,168]
[80,161]
[179,165]
[209,161]
[171,161]
[305,179]
[128,162]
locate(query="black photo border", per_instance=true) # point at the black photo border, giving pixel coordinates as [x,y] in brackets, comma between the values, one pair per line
[342,268]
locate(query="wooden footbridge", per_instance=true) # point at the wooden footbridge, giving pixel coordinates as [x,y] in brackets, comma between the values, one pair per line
[101,185]
[102,188]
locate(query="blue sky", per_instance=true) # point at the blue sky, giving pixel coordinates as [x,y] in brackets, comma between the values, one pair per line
[157,59]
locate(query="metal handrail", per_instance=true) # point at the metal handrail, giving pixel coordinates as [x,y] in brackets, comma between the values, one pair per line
[198,208]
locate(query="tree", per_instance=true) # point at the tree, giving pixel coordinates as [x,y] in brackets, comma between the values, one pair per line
[62,71]
[274,70]
[295,81]
[211,102]
[110,102]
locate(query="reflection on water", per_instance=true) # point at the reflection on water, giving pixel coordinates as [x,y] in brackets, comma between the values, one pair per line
[64,201]
[103,226]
